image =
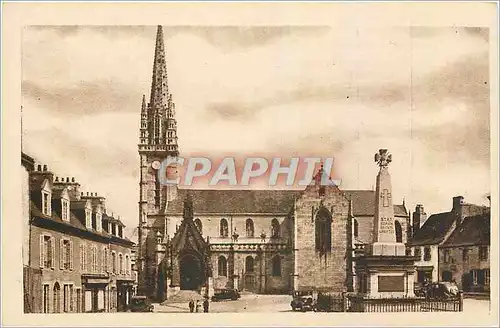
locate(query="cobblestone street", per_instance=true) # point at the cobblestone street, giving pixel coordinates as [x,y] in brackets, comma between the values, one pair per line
[281,303]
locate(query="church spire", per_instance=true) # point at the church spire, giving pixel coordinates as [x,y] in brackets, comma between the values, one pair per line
[159,84]
[160,112]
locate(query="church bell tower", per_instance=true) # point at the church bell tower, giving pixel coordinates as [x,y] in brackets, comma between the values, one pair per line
[157,142]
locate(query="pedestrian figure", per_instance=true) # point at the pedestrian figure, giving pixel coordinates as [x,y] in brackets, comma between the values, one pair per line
[205,305]
[191,306]
[198,306]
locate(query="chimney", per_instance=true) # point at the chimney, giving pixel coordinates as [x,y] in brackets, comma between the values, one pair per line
[458,202]
[419,218]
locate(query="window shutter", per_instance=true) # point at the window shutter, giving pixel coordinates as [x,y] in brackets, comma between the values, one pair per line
[61,254]
[53,252]
[42,252]
[71,255]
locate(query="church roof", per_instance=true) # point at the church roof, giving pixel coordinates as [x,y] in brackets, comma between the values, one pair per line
[219,201]
[212,201]
[474,230]
[434,229]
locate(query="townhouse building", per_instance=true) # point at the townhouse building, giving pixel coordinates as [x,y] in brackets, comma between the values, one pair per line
[77,258]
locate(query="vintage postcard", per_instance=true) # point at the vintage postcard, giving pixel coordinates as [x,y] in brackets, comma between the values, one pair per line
[250,164]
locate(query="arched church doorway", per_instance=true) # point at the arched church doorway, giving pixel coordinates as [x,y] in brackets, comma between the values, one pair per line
[191,272]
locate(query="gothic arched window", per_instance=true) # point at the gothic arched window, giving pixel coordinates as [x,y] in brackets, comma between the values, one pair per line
[398,231]
[249,264]
[199,225]
[356,228]
[222,266]
[323,230]
[249,228]
[276,266]
[57,298]
[224,229]
[275,229]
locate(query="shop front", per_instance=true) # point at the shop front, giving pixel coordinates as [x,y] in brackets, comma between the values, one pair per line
[94,292]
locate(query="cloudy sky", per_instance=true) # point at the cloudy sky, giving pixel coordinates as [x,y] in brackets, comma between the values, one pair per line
[423,93]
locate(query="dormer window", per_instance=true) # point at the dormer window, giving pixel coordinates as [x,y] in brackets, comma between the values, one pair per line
[113,229]
[120,231]
[88,218]
[65,210]
[98,217]
[46,202]
[46,198]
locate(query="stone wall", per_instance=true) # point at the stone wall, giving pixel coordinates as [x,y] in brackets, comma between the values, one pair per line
[314,270]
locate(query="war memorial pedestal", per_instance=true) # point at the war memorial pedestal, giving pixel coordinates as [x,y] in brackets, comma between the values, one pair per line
[384,270]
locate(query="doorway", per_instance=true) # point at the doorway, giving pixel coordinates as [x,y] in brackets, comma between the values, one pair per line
[191,272]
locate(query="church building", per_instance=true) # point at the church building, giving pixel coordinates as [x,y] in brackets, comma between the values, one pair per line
[262,241]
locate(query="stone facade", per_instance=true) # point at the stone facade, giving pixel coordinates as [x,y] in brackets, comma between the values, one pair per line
[316,268]
[78,251]
[299,239]
[428,238]
[465,256]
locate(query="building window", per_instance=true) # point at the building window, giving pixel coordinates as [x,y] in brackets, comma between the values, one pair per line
[355,228]
[83,257]
[113,262]
[399,232]
[323,232]
[94,259]
[127,265]
[105,264]
[427,253]
[249,264]
[47,252]
[120,263]
[98,218]
[67,298]
[276,266]
[418,253]
[223,229]
[408,251]
[465,254]
[483,253]
[66,255]
[199,225]
[46,203]
[446,276]
[446,256]
[113,229]
[57,298]
[222,266]
[65,210]
[120,231]
[275,229]
[249,227]
[46,296]
[88,218]
[474,277]
[486,277]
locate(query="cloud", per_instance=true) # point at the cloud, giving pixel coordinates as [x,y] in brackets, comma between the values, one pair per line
[286,91]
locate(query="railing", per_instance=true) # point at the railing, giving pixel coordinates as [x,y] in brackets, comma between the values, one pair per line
[357,303]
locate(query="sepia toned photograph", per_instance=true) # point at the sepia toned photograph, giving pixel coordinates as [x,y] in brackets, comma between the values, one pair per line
[302,169]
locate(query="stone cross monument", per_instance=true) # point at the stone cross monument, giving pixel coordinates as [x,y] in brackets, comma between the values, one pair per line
[384,230]
[384,270]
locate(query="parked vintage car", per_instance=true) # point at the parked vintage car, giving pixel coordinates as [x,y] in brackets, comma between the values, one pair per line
[437,290]
[140,304]
[303,301]
[225,294]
